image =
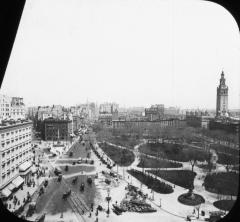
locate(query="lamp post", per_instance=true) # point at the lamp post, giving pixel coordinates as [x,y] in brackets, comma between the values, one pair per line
[160,202]
[108,199]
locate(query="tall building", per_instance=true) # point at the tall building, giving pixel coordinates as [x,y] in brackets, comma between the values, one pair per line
[15,154]
[5,107]
[222,97]
[12,108]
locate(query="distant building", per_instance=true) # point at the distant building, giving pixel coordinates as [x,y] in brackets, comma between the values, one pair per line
[15,154]
[5,107]
[148,124]
[56,129]
[198,119]
[12,108]
[17,108]
[105,118]
[171,112]
[155,112]
[222,98]
[227,124]
[108,107]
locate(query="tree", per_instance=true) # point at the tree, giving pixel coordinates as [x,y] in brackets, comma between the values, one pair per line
[193,157]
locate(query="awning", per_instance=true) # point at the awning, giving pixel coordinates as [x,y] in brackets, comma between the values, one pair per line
[25,166]
[11,186]
[6,192]
[18,181]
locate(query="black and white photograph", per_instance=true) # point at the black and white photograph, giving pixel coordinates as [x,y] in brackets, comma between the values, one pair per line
[121,110]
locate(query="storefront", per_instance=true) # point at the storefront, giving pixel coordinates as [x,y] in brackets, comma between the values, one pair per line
[25,171]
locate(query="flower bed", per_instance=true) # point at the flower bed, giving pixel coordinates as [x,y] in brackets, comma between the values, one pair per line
[189,200]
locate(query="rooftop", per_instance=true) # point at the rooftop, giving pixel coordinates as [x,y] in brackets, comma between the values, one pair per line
[12,122]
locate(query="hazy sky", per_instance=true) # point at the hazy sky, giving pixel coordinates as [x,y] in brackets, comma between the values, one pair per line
[133,52]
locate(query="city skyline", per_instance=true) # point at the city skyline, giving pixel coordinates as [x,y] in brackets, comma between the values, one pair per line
[153,52]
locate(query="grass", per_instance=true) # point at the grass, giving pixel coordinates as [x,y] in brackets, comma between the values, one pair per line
[225,205]
[225,183]
[125,141]
[224,149]
[183,178]
[122,157]
[227,159]
[152,183]
[172,151]
[148,162]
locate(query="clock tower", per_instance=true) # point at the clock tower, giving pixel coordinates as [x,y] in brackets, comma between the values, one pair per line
[222,97]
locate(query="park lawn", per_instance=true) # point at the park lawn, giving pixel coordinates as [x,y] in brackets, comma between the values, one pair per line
[128,142]
[122,157]
[151,182]
[148,162]
[76,169]
[183,178]
[225,205]
[224,149]
[225,183]
[172,151]
[227,159]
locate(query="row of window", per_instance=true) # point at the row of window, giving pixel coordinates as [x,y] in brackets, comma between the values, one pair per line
[5,175]
[16,131]
[13,149]
[18,138]
[15,158]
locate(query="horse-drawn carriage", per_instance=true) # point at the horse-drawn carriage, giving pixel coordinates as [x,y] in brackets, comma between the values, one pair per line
[89,180]
[59,177]
[31,209]
[66,194]
[74,181]
[82,186]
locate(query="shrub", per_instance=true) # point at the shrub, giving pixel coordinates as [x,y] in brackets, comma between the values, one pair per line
[151,182]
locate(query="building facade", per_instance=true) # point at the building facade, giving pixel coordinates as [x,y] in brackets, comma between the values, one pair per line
[198,119]
[148,124]
[15,153]
[5,107]
[17,108]
[222,97]
[56,129]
